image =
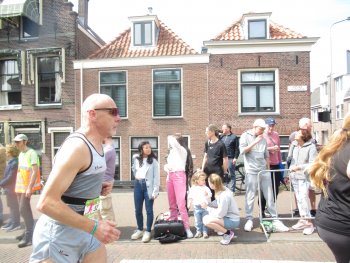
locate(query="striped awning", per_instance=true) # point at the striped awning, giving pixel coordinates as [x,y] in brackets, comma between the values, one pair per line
[14,8]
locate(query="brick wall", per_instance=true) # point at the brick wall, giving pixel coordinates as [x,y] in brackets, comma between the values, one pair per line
[293,68]
[140,121]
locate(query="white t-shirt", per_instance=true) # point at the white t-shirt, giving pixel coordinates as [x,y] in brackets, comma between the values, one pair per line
[199,194]
[141,171]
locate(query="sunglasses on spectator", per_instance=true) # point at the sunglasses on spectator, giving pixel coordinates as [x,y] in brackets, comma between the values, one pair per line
[112,111]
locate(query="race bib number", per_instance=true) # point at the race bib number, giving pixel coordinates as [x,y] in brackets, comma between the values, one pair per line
[92,208]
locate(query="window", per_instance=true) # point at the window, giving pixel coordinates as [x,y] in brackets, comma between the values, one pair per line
[339,110]
[48,80]
[167,93]
[116,143]
[284,139]
[314,115]
[143,34]
[113,84]
[135,141]
[257,29]
[258,91]
[10,83]
[58,135]
[29,28]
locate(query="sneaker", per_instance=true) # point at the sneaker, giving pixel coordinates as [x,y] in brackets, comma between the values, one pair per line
[189,233]
[302,224]
[227,238]
[248,225]
[279,226]
[267,214]
[198,235]
[309,230]
[137,234]
[219,233]
[25,242]
[20,237]
[6,226]
[13,228]
[146,237]
[205,235]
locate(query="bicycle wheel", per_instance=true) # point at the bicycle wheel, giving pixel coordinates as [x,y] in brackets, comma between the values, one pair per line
[240,177]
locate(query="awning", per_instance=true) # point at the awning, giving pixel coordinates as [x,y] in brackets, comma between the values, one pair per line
[14,8]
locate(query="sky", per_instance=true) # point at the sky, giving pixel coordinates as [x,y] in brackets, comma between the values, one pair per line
[196,21]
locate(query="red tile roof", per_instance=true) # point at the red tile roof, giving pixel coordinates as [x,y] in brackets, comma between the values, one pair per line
[235,32]
[169,44]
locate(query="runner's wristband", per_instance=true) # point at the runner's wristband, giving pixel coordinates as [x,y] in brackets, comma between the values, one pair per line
[94,228]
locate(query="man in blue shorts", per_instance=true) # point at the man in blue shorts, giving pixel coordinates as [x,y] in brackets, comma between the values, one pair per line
[68,230]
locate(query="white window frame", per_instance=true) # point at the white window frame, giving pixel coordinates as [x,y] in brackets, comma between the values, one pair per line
[13,106]
[52,131]
[118,150]
[126,88]
[181,95]
[58,90]
[264,21]
[276,91]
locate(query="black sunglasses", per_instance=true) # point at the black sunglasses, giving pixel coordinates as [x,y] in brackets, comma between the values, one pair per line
[112,111]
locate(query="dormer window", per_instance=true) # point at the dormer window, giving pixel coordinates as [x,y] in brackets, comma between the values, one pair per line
[144,31]
[257,29]
[143,34]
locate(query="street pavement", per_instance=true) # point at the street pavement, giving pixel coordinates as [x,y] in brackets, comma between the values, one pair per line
[252,247]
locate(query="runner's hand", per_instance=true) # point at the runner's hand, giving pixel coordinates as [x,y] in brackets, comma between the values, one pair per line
[107,232]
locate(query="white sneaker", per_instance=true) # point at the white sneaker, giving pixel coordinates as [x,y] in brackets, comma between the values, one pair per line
[189,233]
[248,225]
[146,237]
[279,226]
[137,234]
[309,230]
[302,224]
[220,233]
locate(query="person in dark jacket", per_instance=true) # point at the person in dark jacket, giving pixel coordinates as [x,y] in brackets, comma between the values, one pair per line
[8,183]
[231,142]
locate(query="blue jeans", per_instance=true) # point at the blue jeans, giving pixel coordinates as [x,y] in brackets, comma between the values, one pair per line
[232,175]
[141,195]
[199,213]
[12,203]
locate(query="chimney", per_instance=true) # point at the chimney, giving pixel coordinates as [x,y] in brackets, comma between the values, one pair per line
[83,11]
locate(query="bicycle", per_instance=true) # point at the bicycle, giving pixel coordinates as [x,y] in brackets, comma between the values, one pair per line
[240,177]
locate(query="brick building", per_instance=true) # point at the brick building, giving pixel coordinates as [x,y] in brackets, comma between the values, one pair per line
[259,69]
[255,68]
[38,41]
[159,84]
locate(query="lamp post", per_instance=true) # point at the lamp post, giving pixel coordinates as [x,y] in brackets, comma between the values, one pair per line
[331,72]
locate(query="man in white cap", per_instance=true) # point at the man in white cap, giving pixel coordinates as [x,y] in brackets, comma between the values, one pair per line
[27,182]
[253,147]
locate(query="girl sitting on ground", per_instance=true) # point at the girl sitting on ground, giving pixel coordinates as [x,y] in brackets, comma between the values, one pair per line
[225,217]
[199,196]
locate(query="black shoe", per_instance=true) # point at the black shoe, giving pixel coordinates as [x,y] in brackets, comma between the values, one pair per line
[313,212]
[25,242]
[20,237]
[296,213]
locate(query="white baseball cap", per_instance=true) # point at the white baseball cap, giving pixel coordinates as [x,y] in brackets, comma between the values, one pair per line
[20,137]
[260,122]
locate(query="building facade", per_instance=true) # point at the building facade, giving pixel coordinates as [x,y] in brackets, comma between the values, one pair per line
[39,39]
[254,69]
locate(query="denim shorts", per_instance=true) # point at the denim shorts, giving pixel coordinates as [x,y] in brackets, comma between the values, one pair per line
[230,223]
[60,243]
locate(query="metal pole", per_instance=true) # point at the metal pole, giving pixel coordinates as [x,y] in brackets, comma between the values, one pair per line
[332,120]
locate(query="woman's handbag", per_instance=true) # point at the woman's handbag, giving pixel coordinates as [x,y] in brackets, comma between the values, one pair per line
[163,227]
